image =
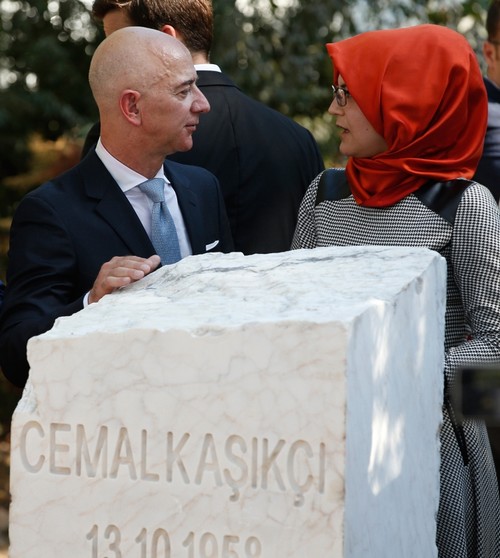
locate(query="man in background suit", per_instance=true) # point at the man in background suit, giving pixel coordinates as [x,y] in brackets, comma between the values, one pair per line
[263,160]
[86,233]
[488,170]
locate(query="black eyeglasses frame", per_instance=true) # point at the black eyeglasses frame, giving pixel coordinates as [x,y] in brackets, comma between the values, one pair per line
[340,94]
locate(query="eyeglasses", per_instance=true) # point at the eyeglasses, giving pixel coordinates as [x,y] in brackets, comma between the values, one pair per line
[340,94]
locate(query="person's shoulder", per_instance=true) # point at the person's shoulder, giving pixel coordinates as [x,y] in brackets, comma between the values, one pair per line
[456,197]
[331,185]
[475,192]
[279,122]
[62,185]
[252,115]
[251,102]
[273,122]
[478,209]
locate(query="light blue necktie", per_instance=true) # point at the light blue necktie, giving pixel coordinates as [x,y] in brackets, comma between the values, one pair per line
[163,233]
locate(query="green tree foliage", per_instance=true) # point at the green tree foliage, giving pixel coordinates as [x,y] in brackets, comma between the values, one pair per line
[274,49]
[277,53]
[45,50]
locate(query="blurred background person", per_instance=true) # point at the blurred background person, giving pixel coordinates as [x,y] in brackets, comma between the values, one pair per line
[488,169]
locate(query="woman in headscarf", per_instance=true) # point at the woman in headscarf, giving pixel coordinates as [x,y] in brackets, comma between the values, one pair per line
[412,111]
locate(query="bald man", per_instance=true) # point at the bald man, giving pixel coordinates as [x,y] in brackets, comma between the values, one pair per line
[87,232]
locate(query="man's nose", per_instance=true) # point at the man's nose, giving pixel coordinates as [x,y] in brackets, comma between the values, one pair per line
[200,103]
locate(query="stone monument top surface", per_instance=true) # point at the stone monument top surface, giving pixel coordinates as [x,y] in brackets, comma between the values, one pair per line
[226,290]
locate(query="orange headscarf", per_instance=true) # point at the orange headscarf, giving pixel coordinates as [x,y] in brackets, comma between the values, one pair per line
[422,90]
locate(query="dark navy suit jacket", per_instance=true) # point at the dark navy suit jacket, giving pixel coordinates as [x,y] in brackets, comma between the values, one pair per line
[488,170]
[64,231]
[264,161]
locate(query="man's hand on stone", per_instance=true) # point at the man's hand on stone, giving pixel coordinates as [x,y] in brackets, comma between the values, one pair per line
[121,271]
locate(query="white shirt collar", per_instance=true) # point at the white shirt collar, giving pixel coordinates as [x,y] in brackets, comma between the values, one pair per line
[124,176]
[207,67]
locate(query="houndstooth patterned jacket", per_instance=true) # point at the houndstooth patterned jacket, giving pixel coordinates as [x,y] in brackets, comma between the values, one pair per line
[460,220]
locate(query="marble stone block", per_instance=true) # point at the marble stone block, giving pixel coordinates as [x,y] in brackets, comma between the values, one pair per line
[229,406]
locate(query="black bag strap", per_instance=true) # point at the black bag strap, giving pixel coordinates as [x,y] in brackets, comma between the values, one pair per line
[332,186]
[441,197]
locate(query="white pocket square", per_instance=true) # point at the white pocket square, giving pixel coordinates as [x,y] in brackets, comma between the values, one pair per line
[211,245]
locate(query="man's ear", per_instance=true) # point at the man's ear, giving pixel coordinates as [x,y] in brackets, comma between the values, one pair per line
[169,30]
[489,53]
[129,105]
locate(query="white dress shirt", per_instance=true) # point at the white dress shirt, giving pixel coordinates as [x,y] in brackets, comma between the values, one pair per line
[128,180]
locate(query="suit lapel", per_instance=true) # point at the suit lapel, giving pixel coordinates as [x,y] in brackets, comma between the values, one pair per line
[112,205]
[190,208]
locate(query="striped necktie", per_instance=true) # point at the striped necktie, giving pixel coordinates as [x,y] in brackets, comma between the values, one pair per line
[163,233]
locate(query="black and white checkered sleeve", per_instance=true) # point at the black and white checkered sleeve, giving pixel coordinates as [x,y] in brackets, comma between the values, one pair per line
[475,258]
[305,231]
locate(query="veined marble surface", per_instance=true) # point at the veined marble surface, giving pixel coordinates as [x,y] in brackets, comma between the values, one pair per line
[230,406]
